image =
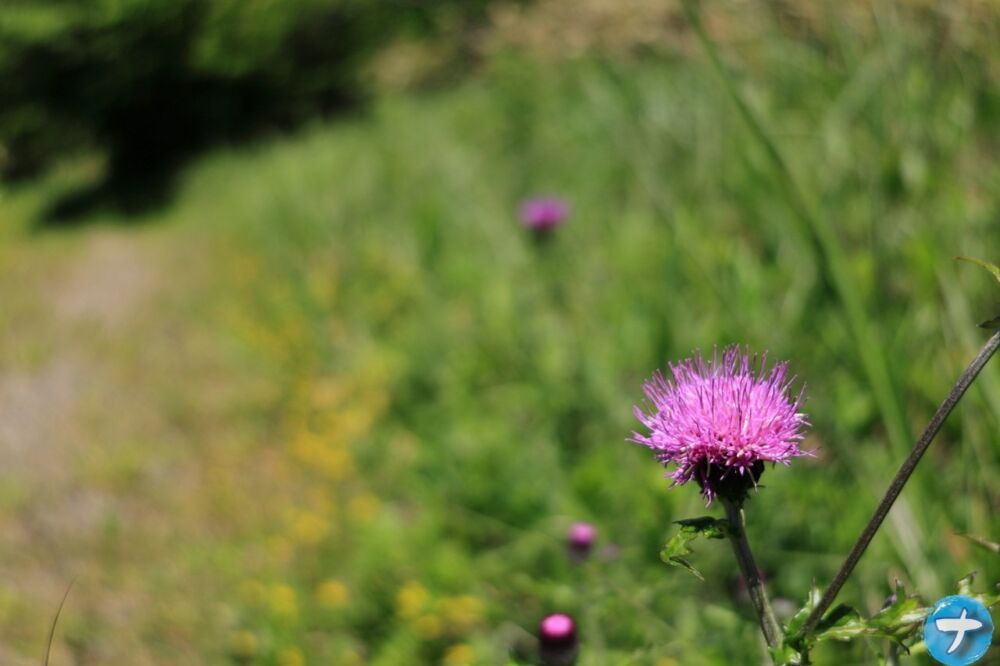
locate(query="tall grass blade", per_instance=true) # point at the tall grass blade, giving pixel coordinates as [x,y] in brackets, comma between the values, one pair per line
[55,621]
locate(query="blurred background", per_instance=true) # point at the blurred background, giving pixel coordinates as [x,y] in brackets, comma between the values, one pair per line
[285,380]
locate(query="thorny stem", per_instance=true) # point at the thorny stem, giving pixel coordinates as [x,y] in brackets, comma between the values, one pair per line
[751,574]
[902,476]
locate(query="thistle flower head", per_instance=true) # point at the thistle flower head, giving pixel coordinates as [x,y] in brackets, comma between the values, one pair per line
[580,538]
[720,420]
[582,535]
[544,214]
[557,642]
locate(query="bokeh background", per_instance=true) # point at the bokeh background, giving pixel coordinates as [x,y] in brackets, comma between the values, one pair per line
[284,381]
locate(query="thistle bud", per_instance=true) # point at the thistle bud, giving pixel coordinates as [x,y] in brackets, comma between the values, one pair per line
[557,644]
[580,540]
[543,215]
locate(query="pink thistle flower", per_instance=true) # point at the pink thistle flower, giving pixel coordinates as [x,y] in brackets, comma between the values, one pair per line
[720,421]
[544,214]
[581,537]
[557,642]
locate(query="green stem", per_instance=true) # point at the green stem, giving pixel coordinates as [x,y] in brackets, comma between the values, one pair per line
[751,574]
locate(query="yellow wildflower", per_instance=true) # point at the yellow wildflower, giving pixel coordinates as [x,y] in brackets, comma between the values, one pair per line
[459,655]
[334,461]
[462,612]
[243,644]
[327,394]
[309,528]
[354,422]
[410,599]
[332,593]
[363,508]
[283,601]
[307,447]
[291,656]
[428,626]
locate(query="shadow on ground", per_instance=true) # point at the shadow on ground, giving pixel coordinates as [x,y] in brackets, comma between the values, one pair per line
[129,197]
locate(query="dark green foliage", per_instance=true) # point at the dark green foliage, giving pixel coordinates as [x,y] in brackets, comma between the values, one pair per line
[899,621]
[150,81]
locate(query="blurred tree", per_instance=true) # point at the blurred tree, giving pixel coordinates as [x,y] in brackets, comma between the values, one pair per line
[151,81]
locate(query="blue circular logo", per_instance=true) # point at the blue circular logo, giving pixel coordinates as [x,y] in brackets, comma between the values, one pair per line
[958,631]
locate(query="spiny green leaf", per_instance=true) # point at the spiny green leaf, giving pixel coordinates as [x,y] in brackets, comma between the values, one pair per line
[965,584]
[898,620]
[987,599]
[981,542]
[992,268]
[841,624]
[682,563]
[991,323]
[995,270]
[706,526]
[785,655]
[676,550]
[898,593]
[797,620]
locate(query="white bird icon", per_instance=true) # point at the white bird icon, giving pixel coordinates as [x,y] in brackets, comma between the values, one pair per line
[959,625]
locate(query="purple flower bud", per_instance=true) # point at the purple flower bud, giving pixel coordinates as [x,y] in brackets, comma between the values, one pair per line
[581,539]
[544,214]
[557,640]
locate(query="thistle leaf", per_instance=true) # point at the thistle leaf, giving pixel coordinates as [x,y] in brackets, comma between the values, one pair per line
[986,544]
[841,624]
[965,584]
[676,550]
[797,620]
[898,620]
[992,268]
[785,655]
[989,600]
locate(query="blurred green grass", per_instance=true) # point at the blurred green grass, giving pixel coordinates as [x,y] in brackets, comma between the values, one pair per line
[434,397]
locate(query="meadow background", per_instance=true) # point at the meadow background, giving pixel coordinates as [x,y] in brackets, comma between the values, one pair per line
[316,397]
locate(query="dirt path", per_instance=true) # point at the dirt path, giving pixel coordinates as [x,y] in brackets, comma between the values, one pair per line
[99,368]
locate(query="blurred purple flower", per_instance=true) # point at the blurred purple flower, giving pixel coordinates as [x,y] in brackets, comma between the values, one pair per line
[544,214]
[581,539]
[557,640]
[719,421]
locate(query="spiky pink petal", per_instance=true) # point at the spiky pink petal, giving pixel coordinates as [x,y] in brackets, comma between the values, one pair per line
[718,417]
